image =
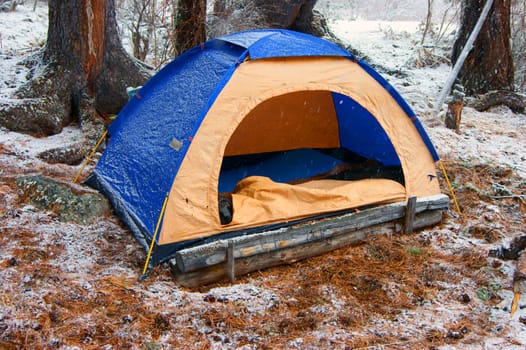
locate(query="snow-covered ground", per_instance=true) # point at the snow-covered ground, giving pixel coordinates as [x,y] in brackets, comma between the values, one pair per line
[75,286]
[495,137]
[21,32]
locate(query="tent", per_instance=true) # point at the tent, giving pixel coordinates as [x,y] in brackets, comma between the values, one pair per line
[266,117]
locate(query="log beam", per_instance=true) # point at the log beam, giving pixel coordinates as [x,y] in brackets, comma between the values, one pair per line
[214,253]
[230,262]
[213,262]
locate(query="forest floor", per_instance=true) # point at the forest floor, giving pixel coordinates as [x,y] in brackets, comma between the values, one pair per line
[72,286]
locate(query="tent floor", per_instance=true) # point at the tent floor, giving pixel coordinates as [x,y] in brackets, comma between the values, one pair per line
[225,259]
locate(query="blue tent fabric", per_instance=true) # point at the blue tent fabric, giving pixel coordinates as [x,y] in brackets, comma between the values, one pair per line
[370,139]
[281,167]
[166,110]
[403,104]
[284,43]
[172,104]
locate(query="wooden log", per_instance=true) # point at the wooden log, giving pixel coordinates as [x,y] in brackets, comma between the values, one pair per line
[214,253]
[410,215]
[424,219]
[513,100]
[427,218]
[454,114]
[288,255]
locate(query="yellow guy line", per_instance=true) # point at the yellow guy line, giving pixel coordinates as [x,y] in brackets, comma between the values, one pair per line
[515,302]
[90,155]
[155,235]
[450,186]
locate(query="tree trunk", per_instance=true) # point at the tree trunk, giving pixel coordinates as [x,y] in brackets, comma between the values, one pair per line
[190,29]
[84,71]
[300,15]
[489,66]
[83,37]
[291,14]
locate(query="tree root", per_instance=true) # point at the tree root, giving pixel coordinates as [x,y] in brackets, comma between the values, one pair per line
[48,102]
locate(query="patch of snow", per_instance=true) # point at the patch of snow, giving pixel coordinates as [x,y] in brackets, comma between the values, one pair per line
[22,32]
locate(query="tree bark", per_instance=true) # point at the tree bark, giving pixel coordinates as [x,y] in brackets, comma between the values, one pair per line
[489,66]
[190,29]
[84,71]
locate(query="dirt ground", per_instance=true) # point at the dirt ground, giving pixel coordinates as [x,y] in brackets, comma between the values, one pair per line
[76,286]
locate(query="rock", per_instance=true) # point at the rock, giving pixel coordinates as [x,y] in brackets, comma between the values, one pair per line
[48,194]
[464,298]
[72,155]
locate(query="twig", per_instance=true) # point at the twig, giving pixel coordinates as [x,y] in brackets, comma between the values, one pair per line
[381,346]
[460,60]
[519,196]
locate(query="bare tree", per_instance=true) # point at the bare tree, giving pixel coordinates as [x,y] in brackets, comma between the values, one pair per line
[144,17]
[190,26]
[427,23]
[298,15]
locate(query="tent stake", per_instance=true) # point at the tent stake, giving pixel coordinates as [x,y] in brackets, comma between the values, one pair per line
[154,238]
[90,155]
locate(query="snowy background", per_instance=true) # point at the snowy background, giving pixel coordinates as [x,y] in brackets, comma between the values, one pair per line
[70,286]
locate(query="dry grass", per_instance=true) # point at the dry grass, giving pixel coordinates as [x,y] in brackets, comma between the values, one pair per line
[364,292]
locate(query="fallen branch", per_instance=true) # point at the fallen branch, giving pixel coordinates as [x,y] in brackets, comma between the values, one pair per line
[520,197]
[515,101]
[462,57]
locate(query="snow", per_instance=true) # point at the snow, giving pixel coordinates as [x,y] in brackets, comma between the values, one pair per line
[21,32]
[62,282]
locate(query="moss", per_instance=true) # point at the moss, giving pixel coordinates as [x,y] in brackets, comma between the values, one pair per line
[47,194]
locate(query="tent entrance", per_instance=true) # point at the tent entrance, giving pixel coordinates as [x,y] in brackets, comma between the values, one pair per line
[296,166]
[296,138]
[300,137]
[283,178]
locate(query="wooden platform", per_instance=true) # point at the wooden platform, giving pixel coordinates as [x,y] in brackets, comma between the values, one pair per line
[225,259]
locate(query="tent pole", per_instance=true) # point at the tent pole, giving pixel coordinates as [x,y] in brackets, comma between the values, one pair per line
[460,61]
[154,238]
